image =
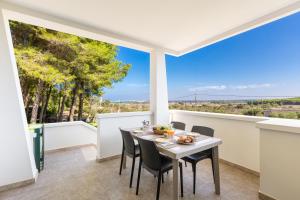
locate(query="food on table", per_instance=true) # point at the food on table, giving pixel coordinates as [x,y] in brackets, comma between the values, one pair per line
[170,133]
[185,139]
[160,130]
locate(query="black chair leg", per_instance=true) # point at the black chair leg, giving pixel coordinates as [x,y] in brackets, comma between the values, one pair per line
[194,177]
[138,179]
[162,178]
[132,171]
[212,167]
[158,185]
[181,179]
[185,163]
[122,157]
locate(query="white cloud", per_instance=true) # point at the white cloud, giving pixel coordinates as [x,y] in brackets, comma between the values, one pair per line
[233,87]
[209,87]
[251,86]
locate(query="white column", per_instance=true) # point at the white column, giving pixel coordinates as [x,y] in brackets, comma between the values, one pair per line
[16,156]
[158,87]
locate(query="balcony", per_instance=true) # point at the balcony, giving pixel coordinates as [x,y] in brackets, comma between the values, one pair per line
[258,158]
[78,169]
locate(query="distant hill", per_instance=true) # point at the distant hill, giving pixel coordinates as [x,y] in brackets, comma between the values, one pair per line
[287,101]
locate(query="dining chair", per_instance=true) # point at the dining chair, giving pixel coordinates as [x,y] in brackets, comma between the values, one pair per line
[129,149]
[156,163]
[178,125]
[206,154]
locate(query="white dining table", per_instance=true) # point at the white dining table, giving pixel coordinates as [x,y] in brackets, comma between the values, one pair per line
[178,151]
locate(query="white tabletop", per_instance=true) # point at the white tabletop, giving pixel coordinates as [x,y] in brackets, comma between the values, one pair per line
[179,150]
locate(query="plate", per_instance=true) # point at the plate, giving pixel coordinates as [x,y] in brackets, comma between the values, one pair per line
[181,140]
[161,140]
[194,134]
[138,131]
[185,143]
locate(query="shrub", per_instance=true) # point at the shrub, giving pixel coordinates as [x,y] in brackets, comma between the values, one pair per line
[291,115]
[252,112]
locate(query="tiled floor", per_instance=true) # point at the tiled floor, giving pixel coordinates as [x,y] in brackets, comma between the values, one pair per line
[74,174]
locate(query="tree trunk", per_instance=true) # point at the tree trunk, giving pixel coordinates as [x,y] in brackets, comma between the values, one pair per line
[81,98]
[25,85]
[26,100]
[45,105]
[62,108]
[25,92]
[73,103]
[80,108]
[27,108]
[44,97]
[58,106]
[36,103]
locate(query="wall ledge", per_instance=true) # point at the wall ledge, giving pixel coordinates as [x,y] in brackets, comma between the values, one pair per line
[74,123]
[69,148]
[283,125]
[220,115]
[122,114]
[264,196]
[17,184]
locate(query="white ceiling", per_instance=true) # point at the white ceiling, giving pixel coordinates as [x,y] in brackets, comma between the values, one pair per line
[178,26]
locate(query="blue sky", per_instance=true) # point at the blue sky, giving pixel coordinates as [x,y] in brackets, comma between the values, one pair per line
[262,62]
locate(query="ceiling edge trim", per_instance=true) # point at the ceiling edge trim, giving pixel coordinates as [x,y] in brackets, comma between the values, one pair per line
[25,15]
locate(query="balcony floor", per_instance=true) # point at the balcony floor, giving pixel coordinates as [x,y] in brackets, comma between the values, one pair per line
[74,174]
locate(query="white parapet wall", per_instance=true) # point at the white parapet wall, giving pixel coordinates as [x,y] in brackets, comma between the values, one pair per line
[69,134]
[109,141]
[268,146]
[239,134]
[280,158]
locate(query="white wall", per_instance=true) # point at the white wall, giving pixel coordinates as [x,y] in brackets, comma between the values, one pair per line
[280,158]
[266,145]
[16,158]
[239,134]
[109,136]
[69,134]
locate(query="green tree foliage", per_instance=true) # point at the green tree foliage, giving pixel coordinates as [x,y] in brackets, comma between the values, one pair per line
[57,68]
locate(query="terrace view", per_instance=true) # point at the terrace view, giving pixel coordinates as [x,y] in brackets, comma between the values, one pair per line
[149,99]
[55,90]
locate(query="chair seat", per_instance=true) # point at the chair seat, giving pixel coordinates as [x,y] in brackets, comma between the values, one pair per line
[198,156]
[166,163]
[137,151]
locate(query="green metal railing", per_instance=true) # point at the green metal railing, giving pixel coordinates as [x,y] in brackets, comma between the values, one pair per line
[38,145]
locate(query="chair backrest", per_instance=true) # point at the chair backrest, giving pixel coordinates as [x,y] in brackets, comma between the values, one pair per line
[178,125]
[149,154]
[203,130]
[128,142]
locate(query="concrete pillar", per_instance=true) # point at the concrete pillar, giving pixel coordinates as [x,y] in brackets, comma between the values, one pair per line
[158,87]
[16,156]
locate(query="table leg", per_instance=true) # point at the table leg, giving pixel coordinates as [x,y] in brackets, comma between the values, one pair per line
[175,179]
[216,169]
[124,161]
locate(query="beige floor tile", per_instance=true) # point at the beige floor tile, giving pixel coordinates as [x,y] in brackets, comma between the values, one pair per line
[75,175]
